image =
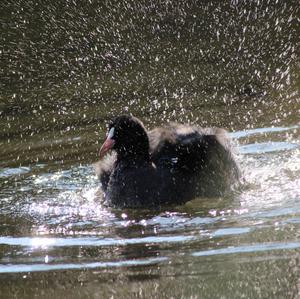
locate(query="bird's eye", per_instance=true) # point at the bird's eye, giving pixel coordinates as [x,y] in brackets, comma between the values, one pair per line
[111,132]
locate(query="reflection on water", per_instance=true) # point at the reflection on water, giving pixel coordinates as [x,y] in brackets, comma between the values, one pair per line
[66,68]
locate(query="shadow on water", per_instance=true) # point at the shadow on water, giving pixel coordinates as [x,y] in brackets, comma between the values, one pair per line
[66,68]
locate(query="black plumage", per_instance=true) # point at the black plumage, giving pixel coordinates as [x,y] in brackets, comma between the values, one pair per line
[168,165]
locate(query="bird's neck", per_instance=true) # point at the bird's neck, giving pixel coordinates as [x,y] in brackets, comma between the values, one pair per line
[135,153]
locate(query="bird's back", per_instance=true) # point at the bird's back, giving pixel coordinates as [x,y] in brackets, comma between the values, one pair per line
[201,158]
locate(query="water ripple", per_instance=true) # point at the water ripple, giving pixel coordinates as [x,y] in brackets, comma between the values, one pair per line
[18,268]
[66,242]
[249,248]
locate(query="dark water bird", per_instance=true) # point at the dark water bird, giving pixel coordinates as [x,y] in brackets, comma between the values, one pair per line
[167,165]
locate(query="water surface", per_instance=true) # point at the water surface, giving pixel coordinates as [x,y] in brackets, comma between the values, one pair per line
[68,68]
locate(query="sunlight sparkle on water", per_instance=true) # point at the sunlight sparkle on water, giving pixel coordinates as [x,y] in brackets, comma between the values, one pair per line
[42,242]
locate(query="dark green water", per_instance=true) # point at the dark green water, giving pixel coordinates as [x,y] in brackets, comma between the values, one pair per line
[67,67]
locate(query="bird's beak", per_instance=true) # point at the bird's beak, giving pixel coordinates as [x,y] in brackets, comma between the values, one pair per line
[106,146]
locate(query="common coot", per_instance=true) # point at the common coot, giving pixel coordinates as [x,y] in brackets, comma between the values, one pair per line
[167,165]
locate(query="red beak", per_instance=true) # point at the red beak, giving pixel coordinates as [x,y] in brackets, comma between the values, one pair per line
[106,146]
